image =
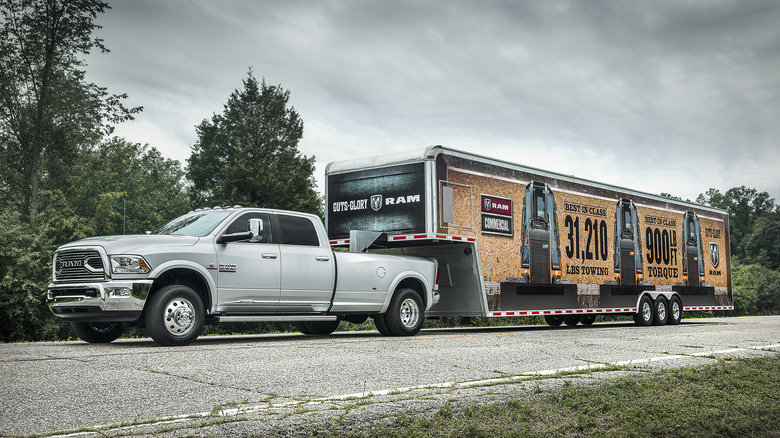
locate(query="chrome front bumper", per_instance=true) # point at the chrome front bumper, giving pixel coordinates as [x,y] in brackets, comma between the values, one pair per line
[95,302]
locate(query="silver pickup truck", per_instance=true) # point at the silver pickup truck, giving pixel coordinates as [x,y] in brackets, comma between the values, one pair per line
[234,265]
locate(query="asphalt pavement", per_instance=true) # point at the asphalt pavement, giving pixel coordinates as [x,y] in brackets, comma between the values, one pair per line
[63,387]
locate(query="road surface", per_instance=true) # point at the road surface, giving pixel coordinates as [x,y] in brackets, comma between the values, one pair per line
[66,386]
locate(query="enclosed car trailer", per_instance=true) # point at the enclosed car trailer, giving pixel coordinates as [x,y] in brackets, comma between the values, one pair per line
[512,240]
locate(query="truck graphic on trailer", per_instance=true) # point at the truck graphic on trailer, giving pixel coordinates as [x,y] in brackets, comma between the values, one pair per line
[541,254]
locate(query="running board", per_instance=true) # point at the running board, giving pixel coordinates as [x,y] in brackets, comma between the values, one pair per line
[274,318]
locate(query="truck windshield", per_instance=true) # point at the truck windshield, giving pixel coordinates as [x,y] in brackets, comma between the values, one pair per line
[197,224]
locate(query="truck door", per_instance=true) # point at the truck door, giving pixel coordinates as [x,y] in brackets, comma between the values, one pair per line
[308,269]
[249,271]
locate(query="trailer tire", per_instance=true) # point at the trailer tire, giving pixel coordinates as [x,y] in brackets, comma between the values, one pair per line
[406,313]
[571,320]
[644,315]
[660,311]
[587,319]
[321,328]
[675,311]
[175,315]
[98,332]
[553,320]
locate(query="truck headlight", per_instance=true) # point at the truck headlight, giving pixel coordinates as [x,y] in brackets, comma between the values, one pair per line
[129,264]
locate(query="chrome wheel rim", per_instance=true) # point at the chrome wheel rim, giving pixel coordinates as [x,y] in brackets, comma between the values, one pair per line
[179,316]
[661,310]
[647,311]
[410,313]
[676,310]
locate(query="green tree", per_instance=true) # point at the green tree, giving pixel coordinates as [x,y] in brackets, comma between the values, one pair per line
[25,270]
[47,109]
[745,206]
[756,288]
[762,242]
[249,154]
[115,188]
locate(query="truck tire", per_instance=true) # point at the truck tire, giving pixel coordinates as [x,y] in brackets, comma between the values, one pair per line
[571,320]
[301,327]
[660,311]
[174,315]
[675,311]
[553,320]
[98,332]
[587,319]
[406,314]
[379,322]
[644,315]
[321,328]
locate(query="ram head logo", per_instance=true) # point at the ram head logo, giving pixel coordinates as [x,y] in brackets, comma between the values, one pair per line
[376,202]
[714,254]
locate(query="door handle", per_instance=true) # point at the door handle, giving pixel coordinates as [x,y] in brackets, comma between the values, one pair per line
[322,258]
[269,256]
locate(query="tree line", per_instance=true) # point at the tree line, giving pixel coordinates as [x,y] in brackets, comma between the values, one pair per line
[63,176]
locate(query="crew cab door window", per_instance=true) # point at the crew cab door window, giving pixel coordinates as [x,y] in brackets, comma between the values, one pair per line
[248,272]
[307,267]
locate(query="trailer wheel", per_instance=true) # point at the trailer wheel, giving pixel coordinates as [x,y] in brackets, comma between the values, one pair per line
[174,315]
[379,322]
[644,316]
[301,327]
[675,311]
[98,332]
[406,314]
[660,311]
[553,320]
[321,328]
[587,319]
[571,320]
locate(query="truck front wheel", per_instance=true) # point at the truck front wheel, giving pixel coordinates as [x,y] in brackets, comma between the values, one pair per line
[98,332]
[406,314]
[174,315]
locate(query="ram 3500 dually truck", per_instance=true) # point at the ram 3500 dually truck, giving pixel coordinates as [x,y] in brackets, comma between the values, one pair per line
[234,265]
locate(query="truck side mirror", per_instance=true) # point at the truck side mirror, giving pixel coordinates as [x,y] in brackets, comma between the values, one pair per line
[256,230]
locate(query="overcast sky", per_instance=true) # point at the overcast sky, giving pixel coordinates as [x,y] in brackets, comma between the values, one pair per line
[658,96]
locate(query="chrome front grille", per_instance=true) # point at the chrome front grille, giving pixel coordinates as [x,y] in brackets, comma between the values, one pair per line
[82,265]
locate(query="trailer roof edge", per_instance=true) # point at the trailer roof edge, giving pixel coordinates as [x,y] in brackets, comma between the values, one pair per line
[421,154]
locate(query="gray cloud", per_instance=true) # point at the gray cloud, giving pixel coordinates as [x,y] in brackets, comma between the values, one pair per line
[662,96]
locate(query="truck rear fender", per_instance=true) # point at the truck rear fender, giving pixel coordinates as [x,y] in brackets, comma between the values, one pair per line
[189,274]
[409,280]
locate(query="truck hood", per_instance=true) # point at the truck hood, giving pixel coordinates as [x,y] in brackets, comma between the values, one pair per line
[133,244]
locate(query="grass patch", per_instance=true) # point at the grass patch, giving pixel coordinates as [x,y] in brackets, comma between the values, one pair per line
[729,399]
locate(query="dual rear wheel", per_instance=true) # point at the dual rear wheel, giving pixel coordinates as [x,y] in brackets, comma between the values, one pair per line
[404,316]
